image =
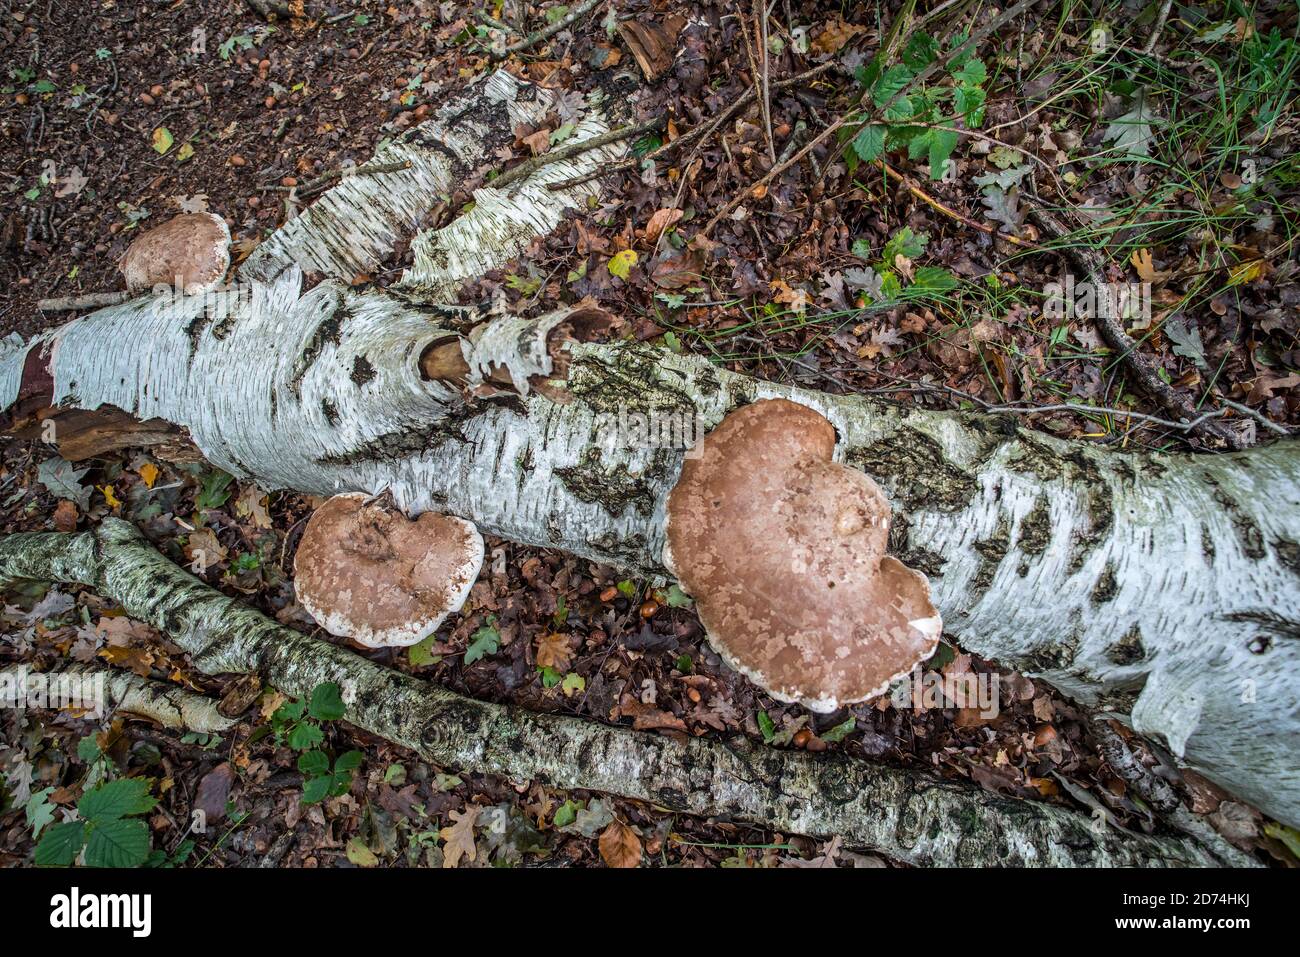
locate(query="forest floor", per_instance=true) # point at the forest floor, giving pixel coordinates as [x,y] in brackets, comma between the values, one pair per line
[1181,168]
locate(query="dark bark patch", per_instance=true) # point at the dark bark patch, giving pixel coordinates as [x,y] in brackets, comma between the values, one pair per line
[362,371]
[614,489]
[1129,650]
[1106,586]
[917,471]
[1035,532]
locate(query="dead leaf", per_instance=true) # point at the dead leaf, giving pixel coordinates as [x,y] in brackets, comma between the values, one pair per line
[619,846]
[251,504]
[459,838]
[1145,266]
[553,651]
[661,220]
[65,516]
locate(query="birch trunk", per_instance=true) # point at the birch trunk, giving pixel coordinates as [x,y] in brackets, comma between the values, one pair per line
[1160,587]
[907,815]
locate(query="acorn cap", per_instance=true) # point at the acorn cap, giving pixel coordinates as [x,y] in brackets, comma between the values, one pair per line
[368,573]
[784,553]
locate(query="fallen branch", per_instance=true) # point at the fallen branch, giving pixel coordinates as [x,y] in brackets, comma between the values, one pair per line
[89,300]
[907,815]
[701,131]
[166,704]
[1112,330]
[547,32]
[570,150]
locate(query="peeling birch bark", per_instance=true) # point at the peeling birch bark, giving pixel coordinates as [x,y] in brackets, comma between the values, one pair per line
[354,226]
[168,705]
[906,815]
[1159,587]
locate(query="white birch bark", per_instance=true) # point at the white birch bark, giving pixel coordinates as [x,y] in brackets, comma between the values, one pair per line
[1163,588]
[907,815]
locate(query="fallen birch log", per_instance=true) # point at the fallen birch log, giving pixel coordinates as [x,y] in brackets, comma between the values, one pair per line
[1159,587]
[906,815]
[106,691]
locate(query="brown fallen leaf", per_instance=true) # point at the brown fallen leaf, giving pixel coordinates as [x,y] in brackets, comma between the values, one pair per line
[619,845]
[553,651]
[65,516]
[661,220]
[214,791]
[459,838]
[653,45]
[1145,266]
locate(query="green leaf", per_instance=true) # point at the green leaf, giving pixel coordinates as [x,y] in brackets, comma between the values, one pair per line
[422,654]
[972,71]
[766,726]
[905,243]
[348,761]
[572,684]
[359,854]
[59,846]
[291,710]
[162,139]
[684,664]
[887,87]
[313,763]
[942,143]
[869,142]
[678,598]
[918,143]
[920,51]
[116,799]
[550,677]
[214,490]
[326,702]
[486,641]
[88,749]
[305,736]
[627,588]
[620,264]
[43,86]
[566,813]
[315,790]
[840,731]
[932,279]
[968,100]
[33,193]
[39,811]
[118,843]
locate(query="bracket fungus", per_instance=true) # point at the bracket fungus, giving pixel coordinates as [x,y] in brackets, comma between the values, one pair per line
[366,572]
[784,552]
[191,251]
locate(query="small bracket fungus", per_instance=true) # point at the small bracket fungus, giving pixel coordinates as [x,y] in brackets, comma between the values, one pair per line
[784,552]
[190,252]
[366,572]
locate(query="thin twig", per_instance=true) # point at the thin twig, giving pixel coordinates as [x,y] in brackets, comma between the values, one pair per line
[1159,27]
[700,131]
[569,150]
[947,211]
[89,300]
[546,33]
[760,15]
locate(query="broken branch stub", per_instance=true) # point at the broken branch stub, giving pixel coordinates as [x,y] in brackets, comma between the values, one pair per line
[784,552]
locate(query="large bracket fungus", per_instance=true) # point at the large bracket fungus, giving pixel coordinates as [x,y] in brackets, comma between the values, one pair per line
[784,552]
[366,572]
[191,251]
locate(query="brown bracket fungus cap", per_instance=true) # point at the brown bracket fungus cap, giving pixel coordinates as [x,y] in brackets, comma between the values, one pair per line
[784,553]
[194,247]
[369,573]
